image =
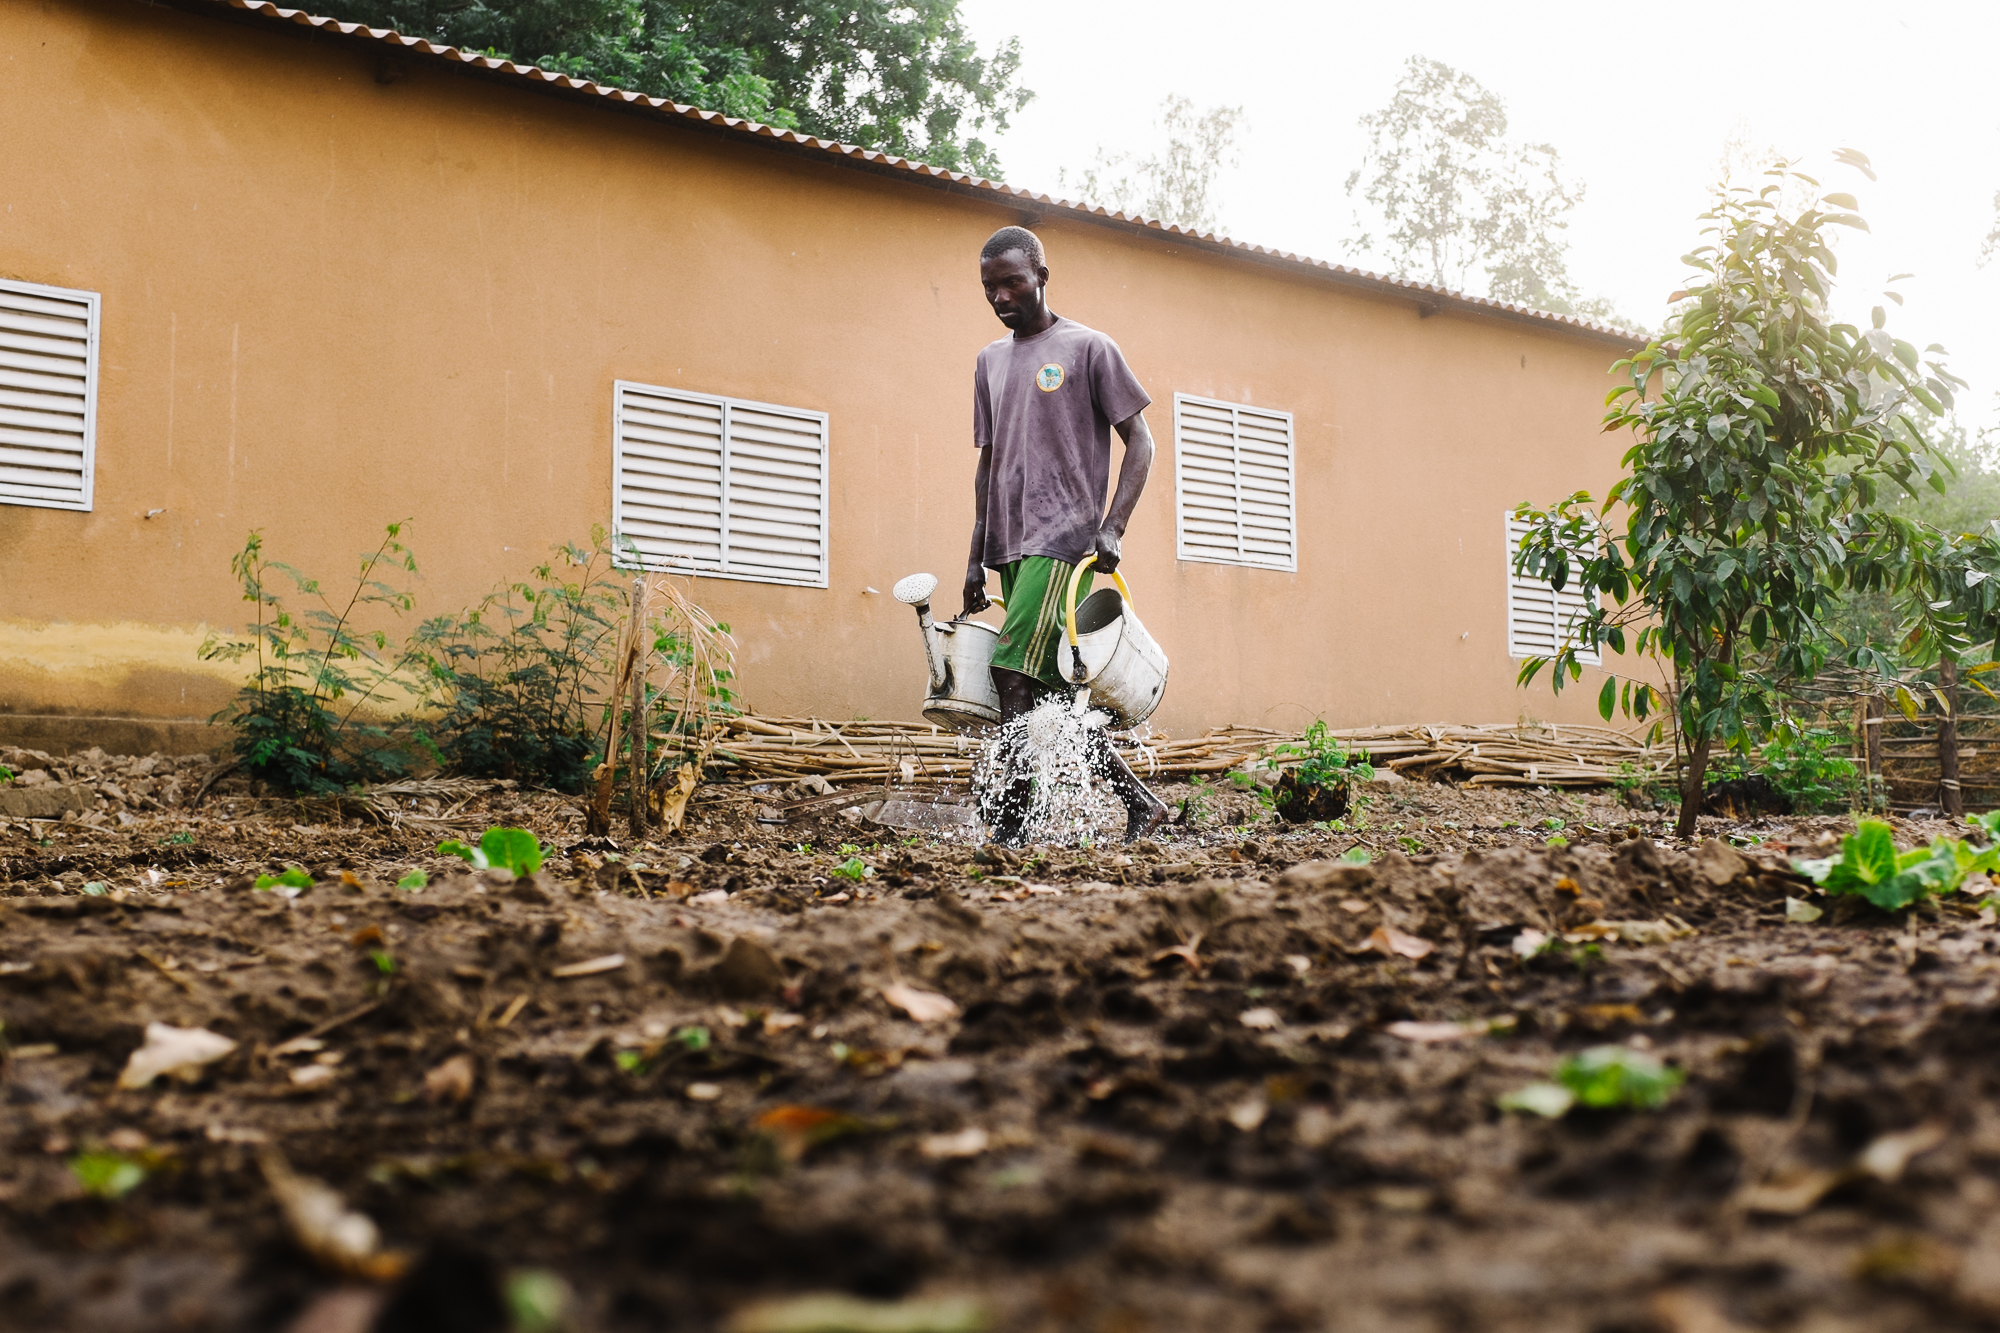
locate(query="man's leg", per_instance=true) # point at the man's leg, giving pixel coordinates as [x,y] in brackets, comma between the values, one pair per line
[1143,810]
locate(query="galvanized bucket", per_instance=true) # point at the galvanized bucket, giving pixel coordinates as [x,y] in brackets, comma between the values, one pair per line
[1111,652]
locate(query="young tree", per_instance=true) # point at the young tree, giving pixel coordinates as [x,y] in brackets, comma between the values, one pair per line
[1178,186]
[1766,435]
[1452,195]
[905,78]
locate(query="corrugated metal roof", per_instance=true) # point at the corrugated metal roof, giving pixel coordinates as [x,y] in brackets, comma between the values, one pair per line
[1427,297]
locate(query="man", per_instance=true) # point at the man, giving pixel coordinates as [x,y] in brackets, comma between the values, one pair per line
[1045,401]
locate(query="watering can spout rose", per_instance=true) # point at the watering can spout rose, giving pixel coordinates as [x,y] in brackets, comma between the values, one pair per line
[1108,652]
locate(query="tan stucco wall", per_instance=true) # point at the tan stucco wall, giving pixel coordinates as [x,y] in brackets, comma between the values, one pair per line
[330,302]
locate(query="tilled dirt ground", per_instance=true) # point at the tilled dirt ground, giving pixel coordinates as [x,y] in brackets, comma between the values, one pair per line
[1172,1094]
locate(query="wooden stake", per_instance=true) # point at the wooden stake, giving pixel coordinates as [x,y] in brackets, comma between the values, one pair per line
[1949,794]
[639,738]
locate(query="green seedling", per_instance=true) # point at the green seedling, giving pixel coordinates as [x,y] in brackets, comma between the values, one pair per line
[1556,840]
[1409,845]
[1869,865]
[803,849]
[385,962]
[1553,824]
[1601,1078]
[537,1300]
[632,1062]
[6,775]
[848,849]
[693,1038]
[291,878]
[1356,856]
[416,879]
[853,868]
[97,888]
[106,1175]
[499,849]
[1618,1077]
[181,839]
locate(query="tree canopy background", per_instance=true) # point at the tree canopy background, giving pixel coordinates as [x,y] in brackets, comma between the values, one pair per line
[904,78]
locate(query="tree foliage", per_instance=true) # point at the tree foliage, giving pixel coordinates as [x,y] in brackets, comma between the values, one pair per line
[1452,197]
[1176,186]
[905,78]
[1767,437]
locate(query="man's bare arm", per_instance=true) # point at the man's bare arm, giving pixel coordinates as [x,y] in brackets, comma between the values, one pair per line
[975,570]
[1132,474]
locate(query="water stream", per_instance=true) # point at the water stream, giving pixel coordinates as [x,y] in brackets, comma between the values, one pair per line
[1045,756]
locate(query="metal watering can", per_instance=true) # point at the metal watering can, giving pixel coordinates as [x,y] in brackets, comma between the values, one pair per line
[1111,652]
[962,695]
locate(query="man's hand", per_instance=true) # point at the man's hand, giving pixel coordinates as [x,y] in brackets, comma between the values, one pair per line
[976,599]
[1107,550]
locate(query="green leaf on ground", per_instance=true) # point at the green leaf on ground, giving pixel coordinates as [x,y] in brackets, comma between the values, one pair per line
[1618,1076]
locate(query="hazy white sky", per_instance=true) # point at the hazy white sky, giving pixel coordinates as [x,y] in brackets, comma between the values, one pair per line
[1639,101]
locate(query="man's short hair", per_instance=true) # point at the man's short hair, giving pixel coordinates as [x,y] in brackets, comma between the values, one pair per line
[1014,238]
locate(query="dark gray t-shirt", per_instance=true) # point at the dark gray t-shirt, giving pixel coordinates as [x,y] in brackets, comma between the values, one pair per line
[1045,406]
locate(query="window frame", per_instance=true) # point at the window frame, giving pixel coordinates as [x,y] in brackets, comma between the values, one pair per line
[1208,556]
[1517,583]
[93,303]
[726,407]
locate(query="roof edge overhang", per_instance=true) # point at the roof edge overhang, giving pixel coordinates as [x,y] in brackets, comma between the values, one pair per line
[1027,206]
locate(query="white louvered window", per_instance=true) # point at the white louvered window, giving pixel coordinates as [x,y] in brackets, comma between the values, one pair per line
[1539,618]
[48,395]
[720,486]
[1233,484]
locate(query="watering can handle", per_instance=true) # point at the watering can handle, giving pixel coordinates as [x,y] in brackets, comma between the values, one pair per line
[1075,582]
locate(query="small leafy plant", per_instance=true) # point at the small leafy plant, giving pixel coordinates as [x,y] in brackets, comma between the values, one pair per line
[1315,776]
[1601,1078]
[853,868]
[6,775]
[519,677]
[499,849]
[106,1175]
[292,877]
[415,879]
[181,839]
[297,720]
[1869,865]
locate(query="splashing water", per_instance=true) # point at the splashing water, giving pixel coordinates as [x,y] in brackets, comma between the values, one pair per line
[1042,759]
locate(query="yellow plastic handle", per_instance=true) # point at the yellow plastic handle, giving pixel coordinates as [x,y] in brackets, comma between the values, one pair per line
[1075,582]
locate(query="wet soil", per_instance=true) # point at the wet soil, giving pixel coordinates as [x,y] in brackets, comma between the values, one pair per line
[1172,1094]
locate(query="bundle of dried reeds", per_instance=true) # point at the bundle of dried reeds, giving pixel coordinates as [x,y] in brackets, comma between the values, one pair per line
[786,749]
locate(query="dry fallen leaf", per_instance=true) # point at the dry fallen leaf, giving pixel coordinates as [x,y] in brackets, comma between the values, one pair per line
[590,967]
[179,1052]
[1886,1157]
[324,1226]
[1264,1020]
[1246,1115]
[1788,1195]
[848,1314]
[1389,940]
[311,1076]
[922,1005]
[1426,1033]
[451,1082]
[1436,1032]
[965,1143]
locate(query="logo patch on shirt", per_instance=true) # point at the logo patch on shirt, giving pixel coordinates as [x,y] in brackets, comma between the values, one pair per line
[1049,378]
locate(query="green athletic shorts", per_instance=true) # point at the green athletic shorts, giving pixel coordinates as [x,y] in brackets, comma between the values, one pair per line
[1034,637]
